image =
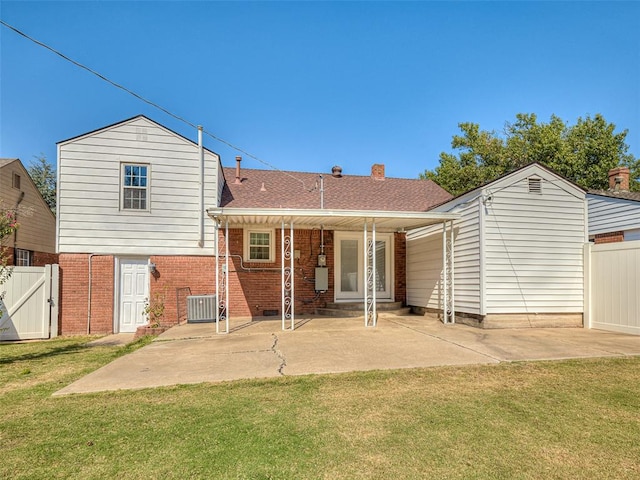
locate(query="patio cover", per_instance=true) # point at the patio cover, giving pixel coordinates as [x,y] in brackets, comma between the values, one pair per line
[338,219]
[368,221]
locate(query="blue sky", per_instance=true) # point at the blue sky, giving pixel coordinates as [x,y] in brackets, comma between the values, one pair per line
[308,85]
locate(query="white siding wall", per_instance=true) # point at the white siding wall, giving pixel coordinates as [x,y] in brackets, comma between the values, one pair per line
[608,214]
[90,218]
[534,247]
[424,263]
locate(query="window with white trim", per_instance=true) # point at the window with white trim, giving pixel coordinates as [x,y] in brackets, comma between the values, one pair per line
[135,187]
[259,245]
[22,257]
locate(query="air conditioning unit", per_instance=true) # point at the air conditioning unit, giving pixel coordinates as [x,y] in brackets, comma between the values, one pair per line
[201,308]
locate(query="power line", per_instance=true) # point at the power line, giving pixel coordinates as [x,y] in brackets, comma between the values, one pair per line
[145,100]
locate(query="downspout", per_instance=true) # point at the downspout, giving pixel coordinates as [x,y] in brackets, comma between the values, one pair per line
[15,232]
[201,219]
[89,299]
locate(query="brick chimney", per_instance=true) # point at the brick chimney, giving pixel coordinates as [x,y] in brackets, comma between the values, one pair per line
[377,171]
[238,177]
[619,179]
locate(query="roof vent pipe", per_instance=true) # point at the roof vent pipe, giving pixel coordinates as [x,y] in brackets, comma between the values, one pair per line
[238,178]
[336,171]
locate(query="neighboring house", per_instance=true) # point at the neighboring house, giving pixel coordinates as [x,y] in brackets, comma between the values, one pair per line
[142,212]
[614,214]
[34,243]
[518,253]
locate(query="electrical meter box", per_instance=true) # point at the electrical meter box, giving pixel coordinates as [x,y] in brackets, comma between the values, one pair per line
[322,279]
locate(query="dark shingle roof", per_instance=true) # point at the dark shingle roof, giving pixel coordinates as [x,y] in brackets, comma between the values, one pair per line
[635,196]
[349,192]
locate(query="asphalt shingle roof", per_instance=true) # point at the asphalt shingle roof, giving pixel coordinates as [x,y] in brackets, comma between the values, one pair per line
[348,192]
[635,196]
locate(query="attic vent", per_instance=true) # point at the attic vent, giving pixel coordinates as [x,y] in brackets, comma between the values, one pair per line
[535,185]
[141,134]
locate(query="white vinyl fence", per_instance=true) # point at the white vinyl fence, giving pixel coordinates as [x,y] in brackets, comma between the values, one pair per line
[30,304]
[612,287]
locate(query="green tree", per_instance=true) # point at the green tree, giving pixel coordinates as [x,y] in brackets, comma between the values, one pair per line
[44,176]
[584,153]
[8,225]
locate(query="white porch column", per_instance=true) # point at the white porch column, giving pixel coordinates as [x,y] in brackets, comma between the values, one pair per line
[226,275]
[370,273]
[222,284]
[287,276]
[448,308]
[216,243]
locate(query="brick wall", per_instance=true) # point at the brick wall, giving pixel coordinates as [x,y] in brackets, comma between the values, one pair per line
[42,258]
[611,237]
[253,287]
[178,272]
[74,293]
[256,287]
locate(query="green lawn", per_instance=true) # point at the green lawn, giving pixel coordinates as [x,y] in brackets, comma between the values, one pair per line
[571,419]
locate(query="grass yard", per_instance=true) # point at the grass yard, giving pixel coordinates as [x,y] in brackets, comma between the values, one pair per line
[571,419]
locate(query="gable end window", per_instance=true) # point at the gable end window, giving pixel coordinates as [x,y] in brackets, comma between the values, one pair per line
[16,181]
[535,185]
[135,187]
[259,245]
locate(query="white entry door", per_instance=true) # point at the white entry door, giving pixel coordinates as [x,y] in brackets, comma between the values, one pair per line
[134,290]
[349,261]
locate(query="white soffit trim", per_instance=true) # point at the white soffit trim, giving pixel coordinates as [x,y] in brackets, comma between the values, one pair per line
[338,219]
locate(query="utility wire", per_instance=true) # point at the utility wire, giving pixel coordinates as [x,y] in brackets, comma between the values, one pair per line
[148,102]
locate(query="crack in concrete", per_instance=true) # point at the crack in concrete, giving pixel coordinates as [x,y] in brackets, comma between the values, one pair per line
[283,361]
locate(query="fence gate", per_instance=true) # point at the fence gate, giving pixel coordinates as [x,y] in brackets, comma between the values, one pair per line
[30,304]
[612,287]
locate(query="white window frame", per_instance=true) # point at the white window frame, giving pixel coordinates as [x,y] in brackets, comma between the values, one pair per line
[272,244]
[146,188]
[23,258]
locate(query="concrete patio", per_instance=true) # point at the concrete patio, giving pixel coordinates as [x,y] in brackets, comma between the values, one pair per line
[194,353]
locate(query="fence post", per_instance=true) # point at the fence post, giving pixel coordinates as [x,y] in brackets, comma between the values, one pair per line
[54,295]
[586,262]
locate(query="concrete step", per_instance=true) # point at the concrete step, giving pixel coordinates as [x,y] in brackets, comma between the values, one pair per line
[380,306]
[340,312]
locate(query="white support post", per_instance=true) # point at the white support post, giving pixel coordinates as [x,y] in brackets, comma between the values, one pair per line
[374,273]
[365,264]
[216,241]
[286,254]
[448,312]
[283,276]
[452,259]
[226,274]
[293,279]
[445,280]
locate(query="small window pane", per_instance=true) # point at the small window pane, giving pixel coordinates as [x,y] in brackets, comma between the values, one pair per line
[23,258]
[134,191]
[259,246]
